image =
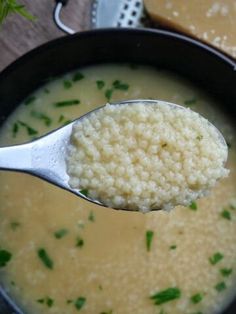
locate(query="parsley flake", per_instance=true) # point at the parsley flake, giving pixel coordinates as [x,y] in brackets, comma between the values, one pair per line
[196,298]
[108,94]
[193,206]
[226,214]
[66,103]
[167,295]
[117,84]
[60,233]
[220,286]
[29,129]
[77,77]
[45,258]
[79,303]
[149,238]
[100,84]
[226,271]
[216,258]
[5,258]
[67,84]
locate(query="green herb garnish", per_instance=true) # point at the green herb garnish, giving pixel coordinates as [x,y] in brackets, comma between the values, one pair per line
[216,258]
[14,225]
[79,303]
[226,271]
[84,192]
[193,206]
[173,247]
[117,84]
[30,100]
[60,233]
[107,312]
[79,242]
[28,128]
[45,258]
[91,217]
[48,301]
[226,214]
[100,84]
[149,238]
[220,286]
[67,84]
[41,116]
[196,298]
[108,94]
[12,6]
[15,129]
[77,76]
[190,101]
[5,258]
[66,103]
[166,296]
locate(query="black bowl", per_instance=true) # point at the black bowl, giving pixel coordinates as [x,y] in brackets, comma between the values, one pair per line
[203,65]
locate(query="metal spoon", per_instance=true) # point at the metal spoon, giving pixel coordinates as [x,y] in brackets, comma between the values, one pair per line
[46,157]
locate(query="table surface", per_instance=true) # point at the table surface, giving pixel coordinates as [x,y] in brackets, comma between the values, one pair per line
[18,35]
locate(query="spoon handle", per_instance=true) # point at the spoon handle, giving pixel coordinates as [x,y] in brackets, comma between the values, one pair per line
[16,158]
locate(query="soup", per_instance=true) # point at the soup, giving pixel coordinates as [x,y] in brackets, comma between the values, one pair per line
[61,254]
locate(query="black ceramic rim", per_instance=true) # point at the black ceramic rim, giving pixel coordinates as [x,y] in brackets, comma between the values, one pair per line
[91,33]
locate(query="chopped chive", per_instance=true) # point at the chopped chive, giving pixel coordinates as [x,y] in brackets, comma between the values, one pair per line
[46,91]
[226,271]
[190,101]
[41,116]
[226,214]
[117,84]
[193,206]
[28,128]
[60,233]
[84,192]
[69,301]
[79,242]
[220,286]
[67,84]
[100,84]
[77,76]
[14,225]
[79,303]
[107,312]
[15,129]
[48,301]
[196,298]
[5,258]
[216,258]
[66,103]
[45,258]
[67,122]
[91,217]
[108,94]
[199,137]
[166,296]
[30,100]
[149,238]
[61,118]
[173,247]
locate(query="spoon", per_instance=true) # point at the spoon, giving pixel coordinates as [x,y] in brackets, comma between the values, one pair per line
[46,157]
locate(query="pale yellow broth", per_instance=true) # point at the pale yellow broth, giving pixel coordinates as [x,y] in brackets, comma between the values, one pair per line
[112,269]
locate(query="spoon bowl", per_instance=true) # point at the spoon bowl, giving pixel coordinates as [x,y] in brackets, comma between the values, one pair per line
[45,157]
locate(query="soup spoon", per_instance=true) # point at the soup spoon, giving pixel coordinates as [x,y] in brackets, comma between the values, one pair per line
[45,157]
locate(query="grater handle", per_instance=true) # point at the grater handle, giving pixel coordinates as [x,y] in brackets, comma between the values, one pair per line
[57,18]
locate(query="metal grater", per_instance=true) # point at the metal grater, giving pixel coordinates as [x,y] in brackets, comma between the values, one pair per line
[109,13]
[117,13]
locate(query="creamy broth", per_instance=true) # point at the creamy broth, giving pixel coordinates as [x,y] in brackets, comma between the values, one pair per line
[107,261]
